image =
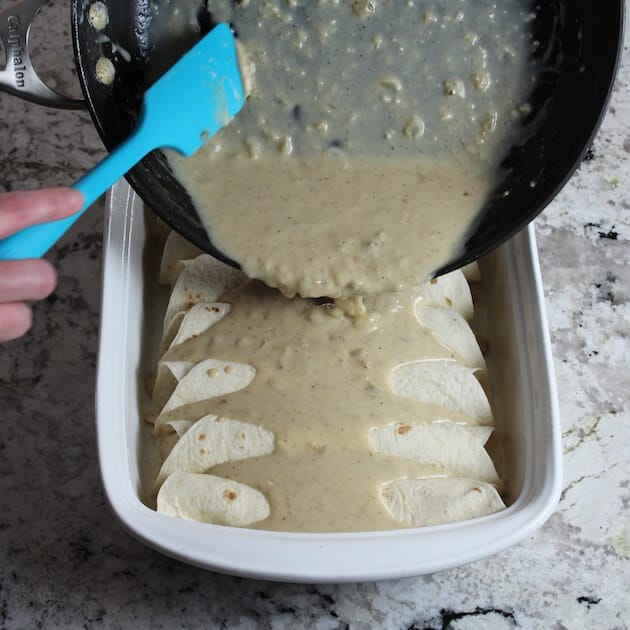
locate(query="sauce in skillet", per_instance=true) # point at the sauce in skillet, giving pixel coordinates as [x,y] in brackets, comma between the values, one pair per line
[372,136]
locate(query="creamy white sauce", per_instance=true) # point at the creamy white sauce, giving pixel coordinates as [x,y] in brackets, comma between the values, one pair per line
[353,86]
[325,227]
[326,376]
[372,136]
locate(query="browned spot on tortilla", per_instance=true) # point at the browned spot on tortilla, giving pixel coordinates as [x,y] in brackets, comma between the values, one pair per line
[230,495]
[475,489]
[404,428]
[201,437]
[433,281]
[449,302]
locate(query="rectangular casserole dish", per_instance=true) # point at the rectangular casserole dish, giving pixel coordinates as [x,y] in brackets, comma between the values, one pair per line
[528,431]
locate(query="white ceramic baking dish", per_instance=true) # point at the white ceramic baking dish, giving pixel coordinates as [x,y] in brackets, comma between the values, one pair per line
[528,433]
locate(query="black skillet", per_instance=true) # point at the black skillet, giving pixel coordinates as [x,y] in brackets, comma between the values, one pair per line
[580,39]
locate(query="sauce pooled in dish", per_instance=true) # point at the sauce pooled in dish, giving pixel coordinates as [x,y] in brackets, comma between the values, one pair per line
[372,136]
[313,415]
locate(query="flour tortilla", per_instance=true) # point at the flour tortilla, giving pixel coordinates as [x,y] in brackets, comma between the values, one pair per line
[187,324]
[445,383]
[179,426]
[453,331]
[439,500]
[203,279]
[169,332]
[480,432]
[168,440]
[198,319]
[176,249]
[448,291]
[168,375]
[212,441]
[211,499]
[450,447]
[166,444]
[208,379]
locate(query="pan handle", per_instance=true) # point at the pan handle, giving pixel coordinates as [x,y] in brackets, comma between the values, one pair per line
[19,77]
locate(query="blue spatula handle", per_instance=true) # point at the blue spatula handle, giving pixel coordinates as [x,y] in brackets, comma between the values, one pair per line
[186,106]
[35,241]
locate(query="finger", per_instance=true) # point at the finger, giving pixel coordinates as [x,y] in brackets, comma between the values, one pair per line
[21,209]
[15,320]
[31,279]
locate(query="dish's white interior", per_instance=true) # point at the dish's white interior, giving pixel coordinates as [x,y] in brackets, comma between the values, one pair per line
[528,453]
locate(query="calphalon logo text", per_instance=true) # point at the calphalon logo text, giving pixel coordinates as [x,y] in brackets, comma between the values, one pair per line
[16,50]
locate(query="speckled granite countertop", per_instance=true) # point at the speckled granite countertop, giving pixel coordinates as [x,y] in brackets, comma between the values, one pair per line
[64,560]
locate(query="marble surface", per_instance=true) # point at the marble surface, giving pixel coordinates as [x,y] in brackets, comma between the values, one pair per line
[65,561]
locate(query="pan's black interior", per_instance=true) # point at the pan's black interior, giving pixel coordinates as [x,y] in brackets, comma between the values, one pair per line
[580,41]
[115,108]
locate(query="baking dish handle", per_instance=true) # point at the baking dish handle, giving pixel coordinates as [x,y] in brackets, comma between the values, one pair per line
[18,76]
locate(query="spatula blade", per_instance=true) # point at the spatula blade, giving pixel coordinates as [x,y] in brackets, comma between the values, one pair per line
[199,95]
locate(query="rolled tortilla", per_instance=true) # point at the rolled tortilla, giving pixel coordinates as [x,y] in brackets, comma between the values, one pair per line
[203,279]
[439,500]
[186,325]
[212,441]
[198,319]
[453,448]
[208,379]
[166,444]
[211,499]
[176,249]
[445,383]
[451,330]
[168,375]
[180,426]
[169,332]
[448,291]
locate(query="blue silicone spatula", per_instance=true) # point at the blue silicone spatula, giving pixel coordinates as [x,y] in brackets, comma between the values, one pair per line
[193,100]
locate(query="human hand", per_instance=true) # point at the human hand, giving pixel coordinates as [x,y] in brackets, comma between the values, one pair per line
[22,281]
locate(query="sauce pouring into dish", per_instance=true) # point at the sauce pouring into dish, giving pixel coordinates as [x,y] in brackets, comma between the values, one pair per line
[577,45]
[371,139]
